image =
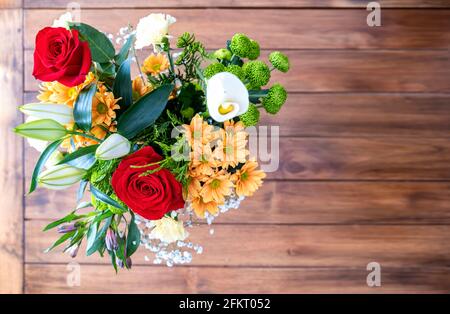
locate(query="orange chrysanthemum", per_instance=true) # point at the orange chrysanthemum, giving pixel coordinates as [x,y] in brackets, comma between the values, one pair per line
[216,188]
[248,179]
[201,207]
[140,88]
[103,106]
[155,64]
[55,92]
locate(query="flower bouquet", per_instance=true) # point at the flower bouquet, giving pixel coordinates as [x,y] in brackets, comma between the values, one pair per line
[157,153]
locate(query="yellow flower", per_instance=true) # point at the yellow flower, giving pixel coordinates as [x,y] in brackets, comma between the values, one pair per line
[140,88]
[201,207]
[55,92]
[248,179]
[103,106]
[199,132]
[155,64]
[216,188]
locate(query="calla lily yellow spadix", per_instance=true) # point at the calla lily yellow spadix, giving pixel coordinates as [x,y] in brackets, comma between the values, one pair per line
[113,147]
[44,129]
[61,113]
[60,177]
[226,96]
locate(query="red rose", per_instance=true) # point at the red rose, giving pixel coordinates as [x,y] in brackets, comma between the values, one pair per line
[61,56]
[150,196]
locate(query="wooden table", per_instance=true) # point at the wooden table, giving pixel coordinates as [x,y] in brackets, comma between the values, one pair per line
[365,169]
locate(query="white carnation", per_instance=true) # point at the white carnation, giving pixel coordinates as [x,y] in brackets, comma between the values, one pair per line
[63,20]
[152,29]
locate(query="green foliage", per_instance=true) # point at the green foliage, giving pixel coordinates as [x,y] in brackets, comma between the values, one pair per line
[122,86]
[279,61]
[254,51]
[82,109]
[241,45]
[251,117]
[213,69]
[257,73]
[236,70]
[275,98]
[190,58]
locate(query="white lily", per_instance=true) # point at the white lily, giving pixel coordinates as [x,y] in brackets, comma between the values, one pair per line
[60,177]
[60,113]
[226,97]
[113,147]
[44,130]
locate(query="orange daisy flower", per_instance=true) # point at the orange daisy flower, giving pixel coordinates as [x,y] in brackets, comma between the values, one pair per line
[103,106]
[248,179]
[155,64]
[201,207]
[216,188]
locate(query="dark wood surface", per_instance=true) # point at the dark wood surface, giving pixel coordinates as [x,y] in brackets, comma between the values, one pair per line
[365,155]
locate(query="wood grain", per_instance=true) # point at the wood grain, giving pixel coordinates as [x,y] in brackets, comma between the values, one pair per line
[11,153]
[95,278]
[307,203]
[279,29]
[350,115]
[383,158]
[347,71]
[237,4]
[286,245]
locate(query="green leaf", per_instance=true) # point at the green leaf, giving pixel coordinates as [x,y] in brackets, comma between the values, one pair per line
[70,217]
[83,157]
[144,112]
[100,238]
[106,69]
[102,50]
[102,197]
[81,190]
[133,237]
[91,236]
[82,110]
[48,151]
[122,86]
[125,50]
[62,239]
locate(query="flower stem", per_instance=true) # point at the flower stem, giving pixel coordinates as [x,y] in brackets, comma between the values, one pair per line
[86,136]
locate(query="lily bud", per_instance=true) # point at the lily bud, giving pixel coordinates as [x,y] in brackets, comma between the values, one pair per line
[60,113]
[113,147]
[111,240]
[122,265]
[60,177]
[73,251]
[67,228]
[226,97]
[44,129]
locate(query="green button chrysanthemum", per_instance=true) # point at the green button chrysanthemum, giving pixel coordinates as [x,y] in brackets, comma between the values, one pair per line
[275,98]
[254,52]
[236,70]
[240,45]
[222,54]
[257,72]
[279,61]
[213,69]
[251,117]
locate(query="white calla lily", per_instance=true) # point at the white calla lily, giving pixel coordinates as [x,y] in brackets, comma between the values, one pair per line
[60,177]
[60,113]
[113,147]
[226,97]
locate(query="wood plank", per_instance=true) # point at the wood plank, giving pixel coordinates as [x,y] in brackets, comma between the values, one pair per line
[306,203]
[383,158]
[286,245]
[363,159]
[350,115]
[11,154]
[280,29]
[237,4]
[347,71]
[101,279]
